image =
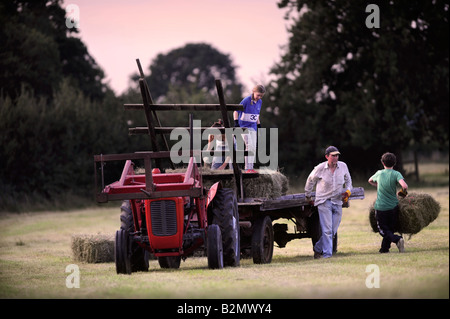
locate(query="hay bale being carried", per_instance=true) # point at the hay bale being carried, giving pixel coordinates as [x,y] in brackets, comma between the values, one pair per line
[93,248]
[416,211]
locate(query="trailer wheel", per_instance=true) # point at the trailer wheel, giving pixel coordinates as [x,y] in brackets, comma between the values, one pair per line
[214,247]
[171,262]
[122,249]
[138,256]
[262,241]
[226,215]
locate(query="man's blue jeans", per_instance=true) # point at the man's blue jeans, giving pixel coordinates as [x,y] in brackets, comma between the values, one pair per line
[330,217]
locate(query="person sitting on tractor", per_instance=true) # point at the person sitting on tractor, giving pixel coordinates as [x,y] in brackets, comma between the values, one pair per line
[218,143]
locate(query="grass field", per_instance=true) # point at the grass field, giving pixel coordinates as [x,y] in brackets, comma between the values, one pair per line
[35,251]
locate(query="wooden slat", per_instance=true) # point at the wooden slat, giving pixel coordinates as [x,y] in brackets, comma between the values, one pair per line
[149,99]
[138,156]
[167,130]
[103,197]
[294,200]
[223,109]
[223,106]
[148,115]
[130,156]
[185,107]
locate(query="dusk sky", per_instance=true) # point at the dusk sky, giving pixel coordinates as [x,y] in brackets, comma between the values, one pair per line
[117,32]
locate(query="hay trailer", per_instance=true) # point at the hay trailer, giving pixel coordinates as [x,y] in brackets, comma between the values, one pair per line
[171,215]
[259,233]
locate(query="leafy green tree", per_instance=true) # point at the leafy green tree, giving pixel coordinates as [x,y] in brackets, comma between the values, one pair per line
[186,75]
[366,90]
[36,44]
[48,146]
[55,112]
[193,67]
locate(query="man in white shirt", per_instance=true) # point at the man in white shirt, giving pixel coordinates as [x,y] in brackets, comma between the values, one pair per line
[333,185]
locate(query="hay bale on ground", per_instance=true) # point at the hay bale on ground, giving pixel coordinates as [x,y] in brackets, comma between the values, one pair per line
[416,211]
[93,248]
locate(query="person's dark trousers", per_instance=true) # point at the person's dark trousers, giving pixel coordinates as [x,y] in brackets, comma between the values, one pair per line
[387,221]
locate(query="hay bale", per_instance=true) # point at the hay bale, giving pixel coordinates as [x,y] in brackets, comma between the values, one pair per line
[416,211]
[268,184]
[93,248]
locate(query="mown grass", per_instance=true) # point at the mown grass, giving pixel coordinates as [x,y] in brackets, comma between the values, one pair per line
[35,250]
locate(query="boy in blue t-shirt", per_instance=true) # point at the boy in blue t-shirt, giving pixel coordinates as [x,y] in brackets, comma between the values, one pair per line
[249,119]
[386,204]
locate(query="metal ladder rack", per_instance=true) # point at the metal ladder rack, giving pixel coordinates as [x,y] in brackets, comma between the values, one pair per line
[155,128]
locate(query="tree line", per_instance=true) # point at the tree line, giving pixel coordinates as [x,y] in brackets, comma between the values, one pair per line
[365,90]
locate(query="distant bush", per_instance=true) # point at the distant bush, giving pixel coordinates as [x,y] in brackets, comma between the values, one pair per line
[47,146]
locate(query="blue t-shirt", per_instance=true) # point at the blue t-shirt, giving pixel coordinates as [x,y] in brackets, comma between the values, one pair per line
[249,116]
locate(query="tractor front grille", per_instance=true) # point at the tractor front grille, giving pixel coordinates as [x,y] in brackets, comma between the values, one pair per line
[164,217]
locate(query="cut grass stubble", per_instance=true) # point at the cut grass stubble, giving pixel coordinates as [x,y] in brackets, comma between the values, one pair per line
[35,268]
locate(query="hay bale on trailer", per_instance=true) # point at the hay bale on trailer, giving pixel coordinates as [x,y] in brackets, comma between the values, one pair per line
[93,248]
[267,184]
[416,211]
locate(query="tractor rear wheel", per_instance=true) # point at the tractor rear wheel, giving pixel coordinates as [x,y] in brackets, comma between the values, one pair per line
[122,248]
[214,247]
[226,215]
[262,241]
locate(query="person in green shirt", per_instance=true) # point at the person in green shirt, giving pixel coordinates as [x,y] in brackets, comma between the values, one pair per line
[386,204]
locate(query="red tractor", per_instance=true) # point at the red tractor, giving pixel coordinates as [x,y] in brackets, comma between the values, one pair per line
[172,218]
[169,215]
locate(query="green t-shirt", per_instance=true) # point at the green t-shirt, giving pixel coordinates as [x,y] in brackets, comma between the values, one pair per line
[387,180]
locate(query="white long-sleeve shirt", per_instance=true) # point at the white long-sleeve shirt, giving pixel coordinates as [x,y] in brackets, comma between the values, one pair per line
[328,185]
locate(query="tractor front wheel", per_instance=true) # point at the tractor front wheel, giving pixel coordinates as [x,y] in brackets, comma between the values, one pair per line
[122,252]
[138,256]
[214,247]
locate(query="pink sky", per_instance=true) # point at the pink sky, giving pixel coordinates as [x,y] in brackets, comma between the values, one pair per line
[117,32]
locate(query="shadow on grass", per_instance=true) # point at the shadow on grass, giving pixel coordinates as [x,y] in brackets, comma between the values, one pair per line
[342,255]
[200,264]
